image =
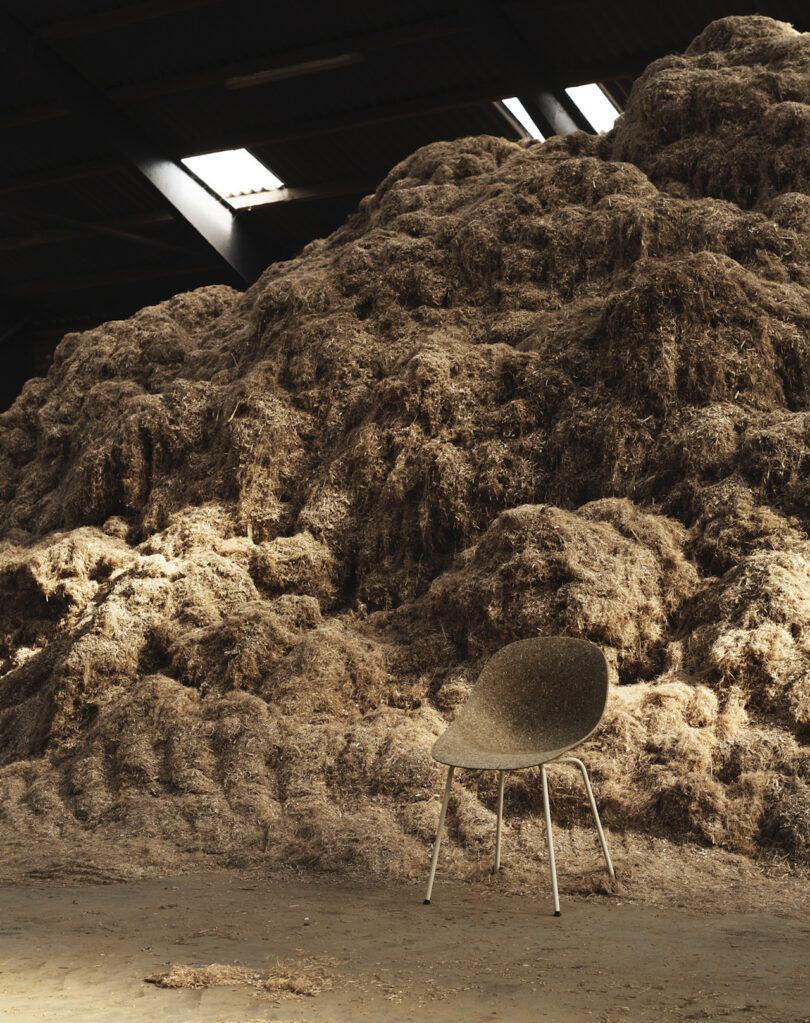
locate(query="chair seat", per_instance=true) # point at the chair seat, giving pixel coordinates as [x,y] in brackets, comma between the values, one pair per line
[535,700]
[462,753]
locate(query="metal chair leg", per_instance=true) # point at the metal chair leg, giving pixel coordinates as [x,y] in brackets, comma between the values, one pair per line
[551,863]
[500,823]
[589,790]
[435,860]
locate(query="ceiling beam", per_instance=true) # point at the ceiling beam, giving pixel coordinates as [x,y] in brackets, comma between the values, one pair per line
[120,228]
[520,130]
[56,235]
[307,193]
[70,229]
[195,204]
[43,179]
[618,92]
[44,286]
[32,115]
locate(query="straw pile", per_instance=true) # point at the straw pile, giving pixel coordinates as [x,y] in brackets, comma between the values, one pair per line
[257,547]
[302,977]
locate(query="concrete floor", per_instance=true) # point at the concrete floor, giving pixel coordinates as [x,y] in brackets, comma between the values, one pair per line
[81,954]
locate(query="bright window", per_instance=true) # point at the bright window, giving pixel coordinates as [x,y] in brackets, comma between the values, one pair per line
[233,173]
[595,105]
[521,114]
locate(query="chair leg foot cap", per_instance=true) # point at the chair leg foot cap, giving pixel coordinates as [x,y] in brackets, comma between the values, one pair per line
[557,912]
[426,902]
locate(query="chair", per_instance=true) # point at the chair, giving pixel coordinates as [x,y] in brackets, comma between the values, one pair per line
[534,700]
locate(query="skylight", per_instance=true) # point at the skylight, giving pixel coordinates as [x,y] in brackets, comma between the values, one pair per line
[235,175]
[595,105]
[521,114]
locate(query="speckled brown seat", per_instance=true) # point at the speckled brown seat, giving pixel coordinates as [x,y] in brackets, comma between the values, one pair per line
[534,701]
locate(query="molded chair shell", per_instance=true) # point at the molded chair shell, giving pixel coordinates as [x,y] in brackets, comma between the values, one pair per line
[534,700]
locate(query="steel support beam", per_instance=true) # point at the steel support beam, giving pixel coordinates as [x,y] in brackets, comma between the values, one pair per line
[79,228]
[520,130]
[194,203]
[554,112]
[76,172]
[87,282]
[57,235]
[58,229]
[307,193]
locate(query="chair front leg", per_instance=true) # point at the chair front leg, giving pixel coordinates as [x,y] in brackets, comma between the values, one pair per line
[600,832]
[499,825]
[438,842]
[551,864]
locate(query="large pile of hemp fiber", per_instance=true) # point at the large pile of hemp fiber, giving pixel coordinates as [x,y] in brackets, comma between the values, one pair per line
[256,547]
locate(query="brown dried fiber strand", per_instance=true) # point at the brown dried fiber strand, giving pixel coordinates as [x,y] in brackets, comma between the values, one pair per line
[286,978]
[257,547]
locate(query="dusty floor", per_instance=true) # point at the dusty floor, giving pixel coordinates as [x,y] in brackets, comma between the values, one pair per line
[81,952]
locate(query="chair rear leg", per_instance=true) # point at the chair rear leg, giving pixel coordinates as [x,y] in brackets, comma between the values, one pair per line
[499,825]
[599,830]
[438,841]
[551,863]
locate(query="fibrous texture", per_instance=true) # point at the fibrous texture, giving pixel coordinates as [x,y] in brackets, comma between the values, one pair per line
[258,547]
[298,978]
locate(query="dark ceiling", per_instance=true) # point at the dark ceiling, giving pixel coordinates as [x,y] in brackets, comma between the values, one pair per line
[100,98]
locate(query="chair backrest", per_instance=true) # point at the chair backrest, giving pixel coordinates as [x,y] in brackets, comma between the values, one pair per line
[547,693]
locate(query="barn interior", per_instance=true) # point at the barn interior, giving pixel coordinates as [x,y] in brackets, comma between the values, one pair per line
[345,345]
